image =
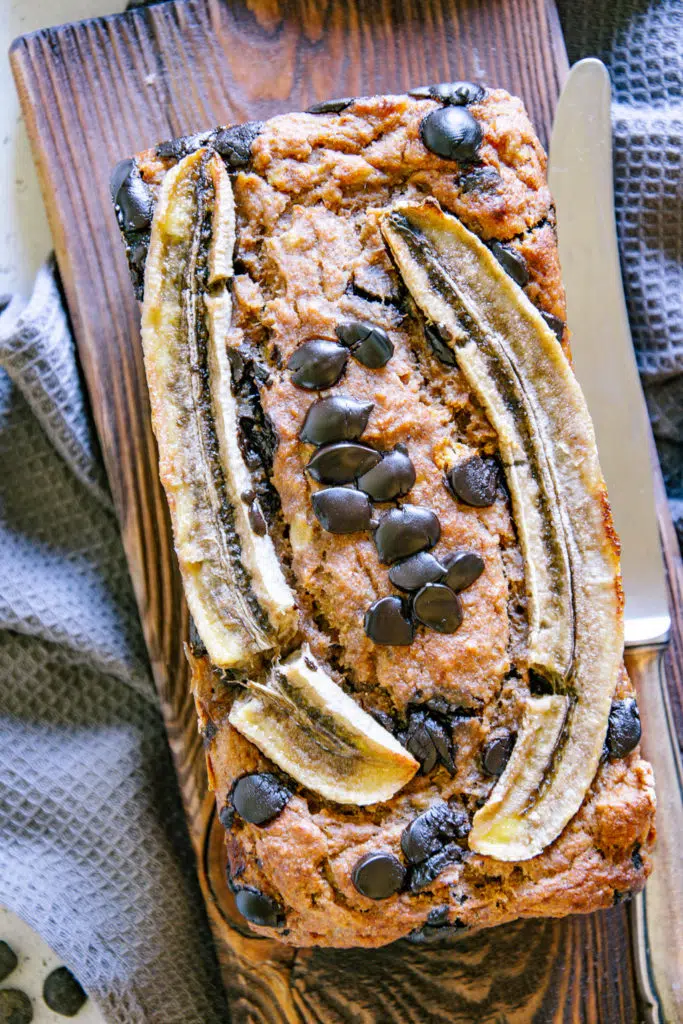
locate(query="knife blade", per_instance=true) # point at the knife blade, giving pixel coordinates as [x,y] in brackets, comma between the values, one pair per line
[580,177]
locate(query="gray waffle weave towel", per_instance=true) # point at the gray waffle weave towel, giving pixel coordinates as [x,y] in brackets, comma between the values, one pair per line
[93,848]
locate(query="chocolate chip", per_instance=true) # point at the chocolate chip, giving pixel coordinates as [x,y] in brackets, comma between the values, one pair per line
[390,478]
[387,623]
[8,960]
[258,908]
[463,568]
[342,510]
[415,571]
[317,364]
[341,463]
[475,481]
[438,607]
[63,993]
[238,365]
[132,197]
[331,106]
[370,345]
[15,1007]
[338,418]
[437,929]
[621,897]
[256,519]
[443,352]
[636,859]
[178,148]
[404,531]
[623,730]
[226,816]
[259,798]
[429,741]
[554,323]
[210,732]
[234,144]
[378,875]
[457,94]
[481,179]
[452,133]
[422,875]
[512,262]
[496,753]
[431,831]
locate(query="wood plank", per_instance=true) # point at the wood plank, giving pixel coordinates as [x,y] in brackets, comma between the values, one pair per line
[97,91]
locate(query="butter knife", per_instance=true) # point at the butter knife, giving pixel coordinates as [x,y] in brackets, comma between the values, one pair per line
[580,176]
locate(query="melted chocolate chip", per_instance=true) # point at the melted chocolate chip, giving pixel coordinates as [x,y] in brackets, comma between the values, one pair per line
[259,798]
[387,623]
[636,859]
[63,993]
[15,1006]
[390,478]
[475,481]
[496,753]
[429,741]
[438,607]
[8,960]
[378,875]
[554,323]
[462,569]
[317,364]
[342,510]
[234,144]
[331,106]
[512,262]
[481,179]
[443,352]
[623,731]
[415,571]
[258,908]
[226,816]
[341,463]
[437,929]
[404,531]
[132,197]
[338,418]
[432,830]
[119,175]
[256,519]
[452,133]
[370,345]
[176,149]
[422,875]
[457,94]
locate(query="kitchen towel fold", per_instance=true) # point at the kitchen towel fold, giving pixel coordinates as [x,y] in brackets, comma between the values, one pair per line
[94,852]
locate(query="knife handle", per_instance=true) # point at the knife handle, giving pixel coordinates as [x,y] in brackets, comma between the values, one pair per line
[657,913]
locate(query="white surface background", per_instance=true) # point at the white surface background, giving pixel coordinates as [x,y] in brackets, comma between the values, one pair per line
[24,243]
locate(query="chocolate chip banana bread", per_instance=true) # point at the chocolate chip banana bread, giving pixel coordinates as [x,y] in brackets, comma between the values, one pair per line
[392,528]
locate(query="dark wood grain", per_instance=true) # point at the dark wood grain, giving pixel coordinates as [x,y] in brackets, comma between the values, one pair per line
[94,92]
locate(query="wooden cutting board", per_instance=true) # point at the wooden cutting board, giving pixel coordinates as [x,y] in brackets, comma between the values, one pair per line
[100,90]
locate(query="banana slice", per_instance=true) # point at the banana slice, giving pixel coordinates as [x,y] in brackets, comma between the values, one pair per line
[235,588]
[312,730]
[515,366]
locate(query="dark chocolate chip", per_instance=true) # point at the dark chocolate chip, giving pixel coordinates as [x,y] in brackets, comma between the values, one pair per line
[390,478]
[428,871]
[210,732]
[119,175]
[443,352]
[539,686]
[258,908]
[197,645]
[238,365]
[331,106]
[387,623]
[132,197]
[415,571]
[63,993]
[15,1007]
[404,531]
[226,816]
[178,148]
[234,144]
[259,798]
[621,897]
[370,345]
[636,859]
[437,929]
[457,94]
[342,510]
[452,133]
[481,179]
[429,741]
[337,418]
[385,720]
[378,875]
[475,481]
[8,960]
[496,753]
[623,731]
[512,262]
[462,569]
[554,323]
[317,364]
[342,462]
[256,519]
[438,607]
[432,830]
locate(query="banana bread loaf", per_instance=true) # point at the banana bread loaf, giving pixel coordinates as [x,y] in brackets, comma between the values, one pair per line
[394,536]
